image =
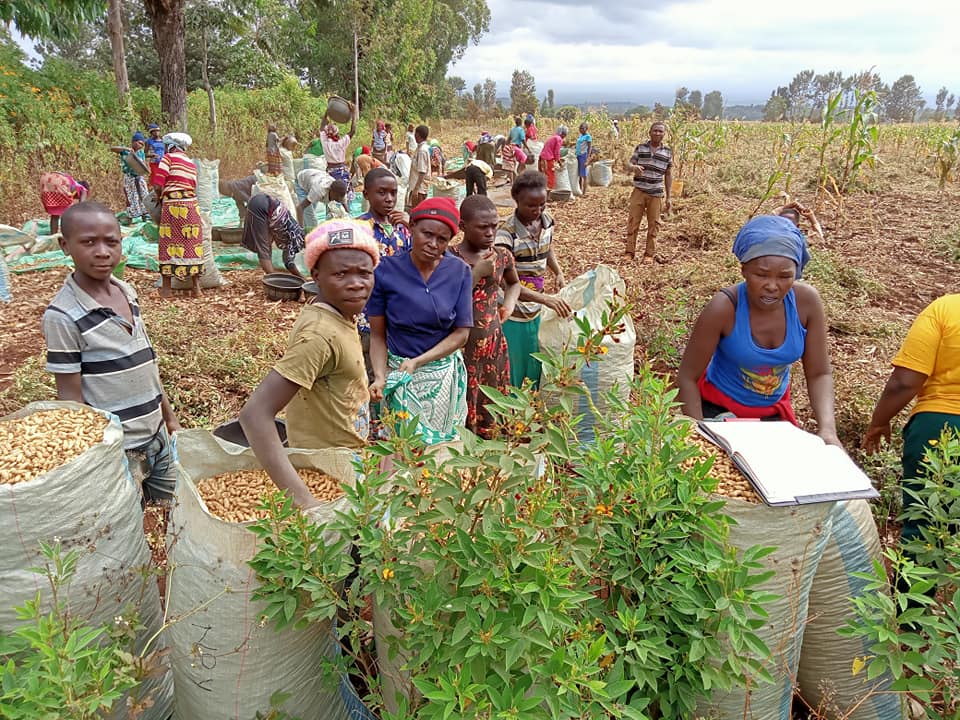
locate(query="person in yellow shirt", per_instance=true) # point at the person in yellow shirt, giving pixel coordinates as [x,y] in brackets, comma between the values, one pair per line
[928,368]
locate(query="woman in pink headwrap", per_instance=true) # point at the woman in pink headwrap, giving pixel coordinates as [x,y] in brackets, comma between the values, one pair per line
[335,148]
[379,142]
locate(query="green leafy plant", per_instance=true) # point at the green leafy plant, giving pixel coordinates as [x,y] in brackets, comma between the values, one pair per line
[946,152]
[913,628]
[56,666]
[530,575]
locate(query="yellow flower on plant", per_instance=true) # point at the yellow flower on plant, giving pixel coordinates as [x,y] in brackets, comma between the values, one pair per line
[403,415]
[934,442]
[387,573]
[603,350]
[425,474]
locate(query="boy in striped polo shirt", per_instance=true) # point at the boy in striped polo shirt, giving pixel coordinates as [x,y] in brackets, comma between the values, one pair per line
[99,352]
[652,165]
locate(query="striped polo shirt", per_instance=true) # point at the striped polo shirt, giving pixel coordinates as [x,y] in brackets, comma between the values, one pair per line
[117,364]
[655,165]
[530,258]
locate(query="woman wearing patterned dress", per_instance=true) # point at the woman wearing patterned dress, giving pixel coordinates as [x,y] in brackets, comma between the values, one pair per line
[180,249]
[485,354]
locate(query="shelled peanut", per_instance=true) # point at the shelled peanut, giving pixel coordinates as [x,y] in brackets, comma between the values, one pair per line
[731,483]
[234,496]
[38,443]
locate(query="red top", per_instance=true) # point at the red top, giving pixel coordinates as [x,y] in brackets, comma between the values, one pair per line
[531,132]
[551,148]
[176,172]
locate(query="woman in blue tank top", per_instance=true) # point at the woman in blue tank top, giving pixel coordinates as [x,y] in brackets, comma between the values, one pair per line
[739,355]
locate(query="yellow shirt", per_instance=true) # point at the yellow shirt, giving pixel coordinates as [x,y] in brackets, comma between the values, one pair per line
[932,347]
[325,359]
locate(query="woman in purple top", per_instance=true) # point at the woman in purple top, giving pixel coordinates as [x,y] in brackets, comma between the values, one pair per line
[420,315]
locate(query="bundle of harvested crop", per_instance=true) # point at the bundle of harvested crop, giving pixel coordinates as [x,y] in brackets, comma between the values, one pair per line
[731,483]
[36,444]
[235,496]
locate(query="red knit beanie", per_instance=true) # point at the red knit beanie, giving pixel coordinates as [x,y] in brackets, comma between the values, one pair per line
[443,209]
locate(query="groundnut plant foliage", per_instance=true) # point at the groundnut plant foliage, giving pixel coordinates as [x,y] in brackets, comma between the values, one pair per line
[530,575]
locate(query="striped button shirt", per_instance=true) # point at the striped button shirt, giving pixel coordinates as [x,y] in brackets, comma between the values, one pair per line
[117,364]
[530,258]
[656,162]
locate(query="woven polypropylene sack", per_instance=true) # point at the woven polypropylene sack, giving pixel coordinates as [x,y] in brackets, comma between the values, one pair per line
[89,503]
[800,534]
[600,173]
[573,174]
[226,663]
[208,184]
[275,186]
[825,675]
[588,296]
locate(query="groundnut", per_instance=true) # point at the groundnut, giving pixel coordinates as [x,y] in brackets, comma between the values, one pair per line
[234,496]
[731,483]
[42,441]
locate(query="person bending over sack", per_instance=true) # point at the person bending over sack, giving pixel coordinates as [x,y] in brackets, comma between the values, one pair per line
[739,354]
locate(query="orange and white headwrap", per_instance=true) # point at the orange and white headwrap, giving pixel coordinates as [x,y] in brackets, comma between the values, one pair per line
[340,235]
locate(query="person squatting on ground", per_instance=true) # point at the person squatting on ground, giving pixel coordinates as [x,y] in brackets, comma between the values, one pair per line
[180,249]
[927,367]
[59,191]
[528,235]
[485,355]
[320,380]
[270,224]
[99,352]
[421,313]
[748,336]
[651,165]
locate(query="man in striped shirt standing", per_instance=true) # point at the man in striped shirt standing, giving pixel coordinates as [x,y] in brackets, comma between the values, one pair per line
[651,165]
[99,352]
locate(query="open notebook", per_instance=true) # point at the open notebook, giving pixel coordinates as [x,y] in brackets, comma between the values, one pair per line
[788,466]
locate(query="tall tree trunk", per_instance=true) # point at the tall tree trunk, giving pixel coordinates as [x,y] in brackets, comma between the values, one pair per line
[168,25]
[206,80]
[115,29]
[356,73]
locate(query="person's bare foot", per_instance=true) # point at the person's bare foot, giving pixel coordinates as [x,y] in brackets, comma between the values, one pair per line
[195,291]
[648,259]
[165,293]
[629,255]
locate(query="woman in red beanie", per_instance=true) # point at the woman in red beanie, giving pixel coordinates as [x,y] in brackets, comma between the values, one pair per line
[420,314]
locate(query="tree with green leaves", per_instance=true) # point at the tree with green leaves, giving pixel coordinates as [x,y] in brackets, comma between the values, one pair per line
[904,100]
[523,93]
[941,103]
[713,105]
[56,20]
[695,101]
[489,103]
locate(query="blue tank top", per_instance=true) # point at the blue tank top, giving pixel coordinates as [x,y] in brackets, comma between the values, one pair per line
[752,375]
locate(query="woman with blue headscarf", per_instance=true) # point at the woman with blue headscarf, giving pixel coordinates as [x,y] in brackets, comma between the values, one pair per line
[739,355]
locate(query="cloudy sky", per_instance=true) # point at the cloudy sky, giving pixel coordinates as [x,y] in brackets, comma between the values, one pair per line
[642,50]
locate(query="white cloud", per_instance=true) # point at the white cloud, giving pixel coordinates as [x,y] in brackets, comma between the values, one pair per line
[643,50]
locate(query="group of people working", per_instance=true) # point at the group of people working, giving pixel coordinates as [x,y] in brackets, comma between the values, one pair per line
[404,319]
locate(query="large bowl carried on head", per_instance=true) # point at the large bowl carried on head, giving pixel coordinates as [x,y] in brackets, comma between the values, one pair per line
[338,109]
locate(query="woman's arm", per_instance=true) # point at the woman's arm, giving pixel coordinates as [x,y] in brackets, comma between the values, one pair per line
[257,421]
[450,344]
[511,291]
[378,355]
[706,335]
[554,267]
[902,386]
[816,364]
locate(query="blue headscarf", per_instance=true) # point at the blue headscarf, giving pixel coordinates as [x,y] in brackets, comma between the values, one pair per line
[138,137]
[771,235]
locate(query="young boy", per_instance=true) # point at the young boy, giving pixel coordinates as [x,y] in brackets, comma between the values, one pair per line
[320,379]
[419,182]
[99,352]
[336,210]
[390,226]
[584,146]
[528,234]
